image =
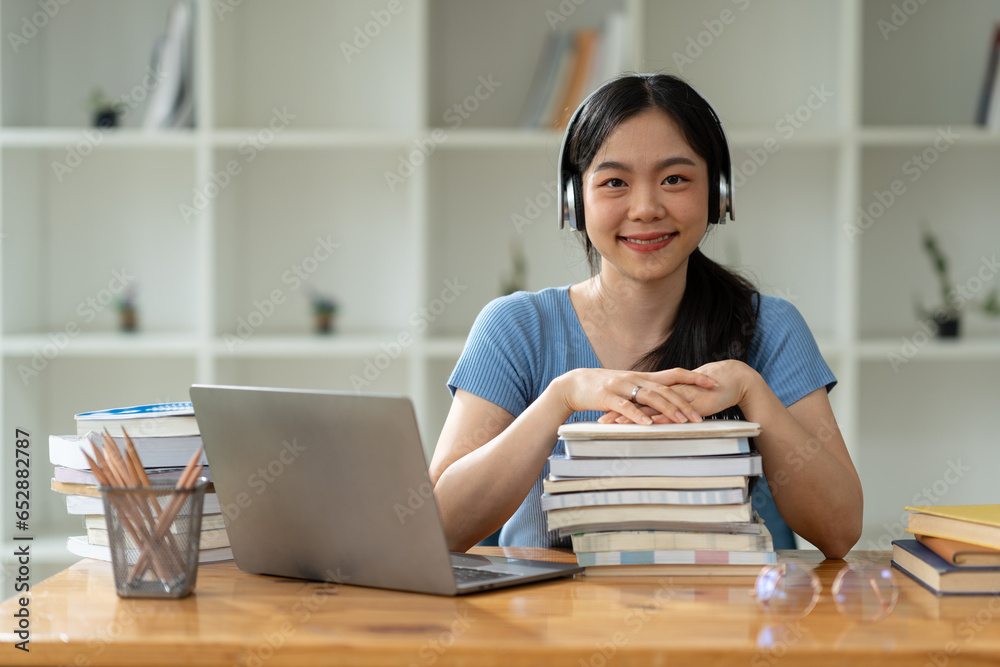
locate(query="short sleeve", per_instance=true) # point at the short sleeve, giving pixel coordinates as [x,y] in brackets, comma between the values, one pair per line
[785,353]
[498,362]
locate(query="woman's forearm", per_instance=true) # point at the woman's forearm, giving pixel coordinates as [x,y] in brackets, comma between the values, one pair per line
[478,492]
[814,484]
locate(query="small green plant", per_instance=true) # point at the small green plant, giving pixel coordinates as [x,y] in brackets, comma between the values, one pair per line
[946,311]
[324,311]
[105,110]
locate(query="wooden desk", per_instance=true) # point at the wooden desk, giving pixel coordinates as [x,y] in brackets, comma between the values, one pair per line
[235,618]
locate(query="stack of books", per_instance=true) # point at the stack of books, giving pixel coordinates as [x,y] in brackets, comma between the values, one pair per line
[956,549]
[662,499]
[166,436]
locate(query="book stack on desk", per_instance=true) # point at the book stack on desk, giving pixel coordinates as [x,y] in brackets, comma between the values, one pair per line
[662,499]
[165,436]
[956,549]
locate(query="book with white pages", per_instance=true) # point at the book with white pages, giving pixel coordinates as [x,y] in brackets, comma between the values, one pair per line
[158,452]
[676,557]
[76,504]
[709,428]
[648,447]
[660,540]
[571,517]
[79,546]
[617,525]
[208,522]
[554,484]
[679,466]
[644,497]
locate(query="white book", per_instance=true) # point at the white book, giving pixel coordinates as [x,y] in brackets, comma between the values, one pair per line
[680,466]
[67,450]
[677,557]
[208,539]
[649,447]
[709,428]
[644,497]
[660,540]
[78,545]
[607,514]
[208,521]
[95,505]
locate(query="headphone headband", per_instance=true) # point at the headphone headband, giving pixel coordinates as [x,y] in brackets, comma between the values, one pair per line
[569,204]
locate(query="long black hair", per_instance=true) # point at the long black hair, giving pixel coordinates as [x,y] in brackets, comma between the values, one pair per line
[717,315]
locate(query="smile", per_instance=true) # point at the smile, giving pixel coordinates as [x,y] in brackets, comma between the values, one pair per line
[659,239]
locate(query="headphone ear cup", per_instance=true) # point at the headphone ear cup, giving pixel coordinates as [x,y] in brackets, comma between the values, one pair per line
[574,197]
[573,201]
[723,198]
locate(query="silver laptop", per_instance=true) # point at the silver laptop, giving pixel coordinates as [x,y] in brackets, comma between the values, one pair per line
[333,486]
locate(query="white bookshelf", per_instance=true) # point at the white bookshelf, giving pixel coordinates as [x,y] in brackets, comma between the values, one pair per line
[323,176]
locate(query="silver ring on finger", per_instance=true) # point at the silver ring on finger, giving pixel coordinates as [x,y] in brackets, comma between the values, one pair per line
[635,392]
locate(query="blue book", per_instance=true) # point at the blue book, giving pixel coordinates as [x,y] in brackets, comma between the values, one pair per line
[940,576]
[143,421]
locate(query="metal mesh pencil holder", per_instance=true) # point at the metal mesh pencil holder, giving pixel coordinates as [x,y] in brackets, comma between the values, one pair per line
[154,535]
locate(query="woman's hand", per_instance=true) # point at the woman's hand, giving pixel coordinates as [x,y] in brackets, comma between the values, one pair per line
[731,382]
[612,392]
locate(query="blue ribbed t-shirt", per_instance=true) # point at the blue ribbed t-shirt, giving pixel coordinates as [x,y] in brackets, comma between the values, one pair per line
[521,342]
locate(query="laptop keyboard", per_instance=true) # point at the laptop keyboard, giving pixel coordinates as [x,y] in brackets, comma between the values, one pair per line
[471,575]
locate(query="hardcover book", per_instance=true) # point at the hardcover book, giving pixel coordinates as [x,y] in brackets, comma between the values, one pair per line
[940,576]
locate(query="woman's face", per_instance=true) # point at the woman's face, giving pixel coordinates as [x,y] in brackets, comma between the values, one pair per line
[646,200]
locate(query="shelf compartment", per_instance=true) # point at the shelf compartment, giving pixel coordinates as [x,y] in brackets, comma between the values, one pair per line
[903,190]
[469,40]
[769,53]
[99,44]
[293,222]
[792,259]
[926,66]
[309,67]
[60,274]
[940,418]
[475,221]
[101,345]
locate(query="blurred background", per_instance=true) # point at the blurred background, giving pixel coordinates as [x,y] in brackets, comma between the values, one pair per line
[189,189]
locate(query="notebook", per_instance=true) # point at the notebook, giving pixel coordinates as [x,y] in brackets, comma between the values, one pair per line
[333,486]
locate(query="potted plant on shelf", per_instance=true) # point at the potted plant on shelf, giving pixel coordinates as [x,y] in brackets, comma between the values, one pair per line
[127,313]
[324,312]
[105,111]
[946,316]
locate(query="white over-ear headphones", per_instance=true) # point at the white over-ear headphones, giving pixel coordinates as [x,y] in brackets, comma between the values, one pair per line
[570,182]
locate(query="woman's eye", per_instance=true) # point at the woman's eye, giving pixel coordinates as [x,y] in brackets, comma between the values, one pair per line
[614,183]
[674,180]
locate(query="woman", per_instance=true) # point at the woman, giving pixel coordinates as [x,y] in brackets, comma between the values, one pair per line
[659,333]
